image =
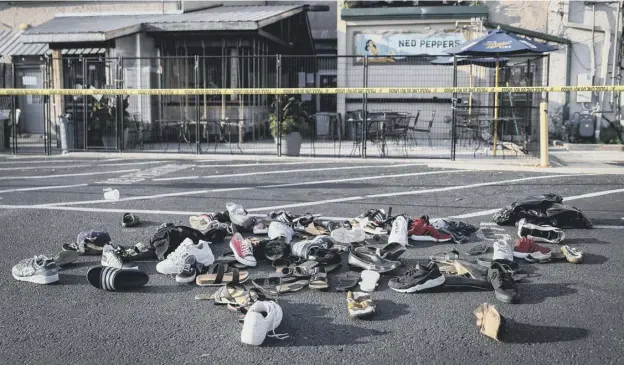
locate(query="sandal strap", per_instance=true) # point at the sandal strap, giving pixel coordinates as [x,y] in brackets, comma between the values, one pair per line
[235,276]
[220,272]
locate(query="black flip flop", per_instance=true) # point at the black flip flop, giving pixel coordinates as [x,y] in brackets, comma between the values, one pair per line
[347,282]
[113,279]
[130,220]
[391,251]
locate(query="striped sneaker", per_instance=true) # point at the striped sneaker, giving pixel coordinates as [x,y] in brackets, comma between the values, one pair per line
[113,279]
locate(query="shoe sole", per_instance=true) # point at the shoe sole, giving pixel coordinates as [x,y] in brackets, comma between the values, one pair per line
[242,260]
[541,239]
[505,299]
[183,280]
[520,255]
[428,239]
[424,286]
[38,279]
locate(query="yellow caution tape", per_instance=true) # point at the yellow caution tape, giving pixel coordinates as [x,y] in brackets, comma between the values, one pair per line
[302,91]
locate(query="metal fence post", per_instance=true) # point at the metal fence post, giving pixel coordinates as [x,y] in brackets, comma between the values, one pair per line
[13,136]
[278,114]
[454,111]
[197,117]
[364,134]
[85,113]
[544,158]
[120,104]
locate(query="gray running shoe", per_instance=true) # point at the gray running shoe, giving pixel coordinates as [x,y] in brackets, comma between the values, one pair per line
[39,270]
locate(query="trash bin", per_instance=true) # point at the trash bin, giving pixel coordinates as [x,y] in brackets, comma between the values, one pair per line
[67,133]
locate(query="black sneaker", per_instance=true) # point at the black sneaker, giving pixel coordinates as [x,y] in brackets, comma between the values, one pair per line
[276,249]
[505,288]
[417,279]
[189,271]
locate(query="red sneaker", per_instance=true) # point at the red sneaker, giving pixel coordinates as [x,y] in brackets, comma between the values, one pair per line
[421,230]
[526,246]
[243,250]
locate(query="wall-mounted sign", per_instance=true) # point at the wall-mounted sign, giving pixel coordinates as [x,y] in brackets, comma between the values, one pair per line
[406,43]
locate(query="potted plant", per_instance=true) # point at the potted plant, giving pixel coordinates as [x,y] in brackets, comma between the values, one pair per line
[294,122]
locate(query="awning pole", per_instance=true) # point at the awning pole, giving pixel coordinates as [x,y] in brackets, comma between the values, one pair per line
[496,109]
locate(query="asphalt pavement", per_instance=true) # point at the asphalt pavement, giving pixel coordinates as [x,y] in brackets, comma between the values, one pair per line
[567,313]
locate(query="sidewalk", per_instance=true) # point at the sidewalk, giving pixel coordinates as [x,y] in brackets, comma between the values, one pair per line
[562,161]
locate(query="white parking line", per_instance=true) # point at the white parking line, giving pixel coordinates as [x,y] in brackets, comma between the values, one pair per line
[402,193]
[65,175]
[270,186]
[26,162]
[130,163]
[285,172]
[42,188]
[262,164]
[566,199]
[100,210]
[44,167]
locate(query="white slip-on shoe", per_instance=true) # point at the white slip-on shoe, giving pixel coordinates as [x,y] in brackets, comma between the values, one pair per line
[261,318]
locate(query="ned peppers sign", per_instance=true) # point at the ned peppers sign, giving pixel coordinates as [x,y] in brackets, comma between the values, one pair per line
[394,45]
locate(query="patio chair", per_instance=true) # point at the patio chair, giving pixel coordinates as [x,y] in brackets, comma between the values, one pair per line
[399,130]
[411,126]
[428,129]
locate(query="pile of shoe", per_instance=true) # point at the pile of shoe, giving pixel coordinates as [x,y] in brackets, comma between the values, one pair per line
[304,250]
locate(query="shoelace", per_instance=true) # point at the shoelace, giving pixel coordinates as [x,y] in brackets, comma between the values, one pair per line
[247,248]
[279,336]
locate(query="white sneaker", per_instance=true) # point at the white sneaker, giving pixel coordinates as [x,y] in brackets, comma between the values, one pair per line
[238,215]
[174,263]
[398,234]
[261,318]
[110,258]
[279,229]
[502,251]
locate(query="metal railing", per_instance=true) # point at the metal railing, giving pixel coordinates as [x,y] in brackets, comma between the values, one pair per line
[351,125]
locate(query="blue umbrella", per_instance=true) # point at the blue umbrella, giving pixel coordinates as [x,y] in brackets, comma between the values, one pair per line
[497,42]
[484,61]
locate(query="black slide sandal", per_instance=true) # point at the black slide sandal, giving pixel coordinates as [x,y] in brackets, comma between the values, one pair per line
[113,279]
